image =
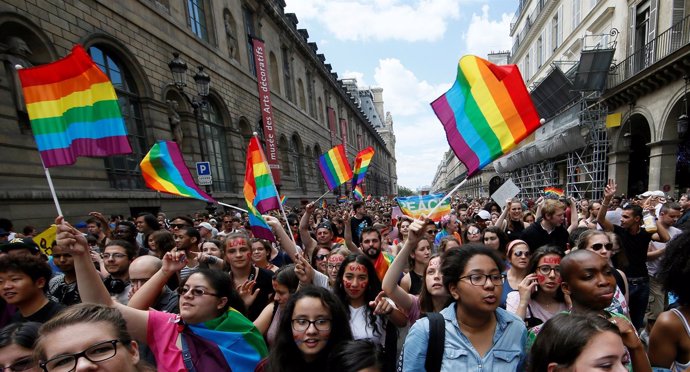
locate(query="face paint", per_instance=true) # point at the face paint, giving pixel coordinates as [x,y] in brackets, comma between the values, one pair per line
[237,242]
[336,259]
[435,263]
[552,260]
[541,278]
[347,283]
[357,268]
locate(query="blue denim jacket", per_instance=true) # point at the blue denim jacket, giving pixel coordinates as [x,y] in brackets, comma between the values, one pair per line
[506,353]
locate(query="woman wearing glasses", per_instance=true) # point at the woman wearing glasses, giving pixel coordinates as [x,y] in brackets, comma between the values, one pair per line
[599,242]
[212,333]
[313,324]
[103,342]
[473,234]
[539,296]
[478,334]
[518,256]
[16,347]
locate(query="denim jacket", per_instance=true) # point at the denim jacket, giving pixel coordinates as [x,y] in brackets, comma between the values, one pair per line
[506,353]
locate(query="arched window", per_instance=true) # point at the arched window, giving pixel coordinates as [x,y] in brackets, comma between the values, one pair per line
[296,160]
[246,133]
[215,146]
[319,176]
[123,170]
[300,95]
[283,150]
[319,107]
[274,75]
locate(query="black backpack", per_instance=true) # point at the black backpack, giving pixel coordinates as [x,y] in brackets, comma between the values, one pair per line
[435,346]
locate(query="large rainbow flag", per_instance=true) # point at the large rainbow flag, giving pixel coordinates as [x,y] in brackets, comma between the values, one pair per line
[73,110]
[259,190]
[164,170]
[229,342]
[416,206]
[334,167]
[486,112]
[362,165]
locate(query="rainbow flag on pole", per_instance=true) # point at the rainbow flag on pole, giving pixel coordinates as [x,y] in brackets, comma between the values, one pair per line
[486,112]
[73,110]
[553,192]
[259,190]
[362,165]
[164,170]
[358,193]
[334,167]
[417,206]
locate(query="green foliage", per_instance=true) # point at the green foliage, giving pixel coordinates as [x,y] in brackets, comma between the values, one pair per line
[405,191]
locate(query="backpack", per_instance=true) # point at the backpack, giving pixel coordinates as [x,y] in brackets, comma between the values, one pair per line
[435,346]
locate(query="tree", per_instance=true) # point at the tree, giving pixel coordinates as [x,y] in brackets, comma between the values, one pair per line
[405,191]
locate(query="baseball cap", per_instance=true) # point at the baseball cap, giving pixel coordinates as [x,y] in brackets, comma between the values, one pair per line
[206,225]
[484,215]
[657,193]
[20,243]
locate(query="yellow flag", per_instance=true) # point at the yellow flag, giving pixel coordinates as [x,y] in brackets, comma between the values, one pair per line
[45,240]
[613,120]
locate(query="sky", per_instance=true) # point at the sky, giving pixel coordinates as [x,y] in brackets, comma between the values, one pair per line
[410,48]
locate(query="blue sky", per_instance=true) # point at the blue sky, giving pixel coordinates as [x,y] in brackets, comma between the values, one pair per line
[410,48]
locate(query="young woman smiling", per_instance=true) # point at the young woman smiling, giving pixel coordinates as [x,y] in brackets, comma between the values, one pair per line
[417,261]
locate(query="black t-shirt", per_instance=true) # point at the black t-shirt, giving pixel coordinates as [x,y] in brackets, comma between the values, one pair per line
[535,236]
[416,283]
[635,248]
[514,230]
[264,281]
[43,315]
[357,225]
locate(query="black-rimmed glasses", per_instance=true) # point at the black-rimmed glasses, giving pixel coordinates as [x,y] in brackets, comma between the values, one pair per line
[480,279]
[20,365]
[546,270]
[301,325]
[99,352]
[196,292]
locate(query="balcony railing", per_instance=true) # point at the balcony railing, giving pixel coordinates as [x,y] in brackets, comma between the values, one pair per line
[662,46]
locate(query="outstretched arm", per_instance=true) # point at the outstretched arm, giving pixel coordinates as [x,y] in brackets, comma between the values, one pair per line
[308,242]
[390,280]
[347,221]
[501,221]
[609,192]
[573,215]
[285,242]
[147,295]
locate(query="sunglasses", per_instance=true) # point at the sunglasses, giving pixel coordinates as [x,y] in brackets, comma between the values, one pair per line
[599,246]
[320,257]
[177,226]
[522,253]
[431,231]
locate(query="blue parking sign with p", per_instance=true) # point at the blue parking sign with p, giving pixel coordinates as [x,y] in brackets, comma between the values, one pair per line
[203,168]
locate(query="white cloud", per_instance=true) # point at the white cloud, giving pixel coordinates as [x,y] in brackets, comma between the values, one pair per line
[359,76]
[379,20]
[403,93]
[485,35]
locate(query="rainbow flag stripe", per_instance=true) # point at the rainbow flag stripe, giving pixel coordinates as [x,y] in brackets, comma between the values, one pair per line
[334,167]
[164,170]
[486,112]
[418,206]
[259,190]
[362,165]
[283,199]
[73,110]
[555,191]
[382,263]
[358,193]
[324,204]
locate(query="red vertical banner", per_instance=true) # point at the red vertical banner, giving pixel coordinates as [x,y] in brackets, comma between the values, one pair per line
[332,125]
[343,132]
[266,108]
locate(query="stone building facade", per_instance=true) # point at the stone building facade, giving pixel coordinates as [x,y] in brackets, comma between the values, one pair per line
[133,41]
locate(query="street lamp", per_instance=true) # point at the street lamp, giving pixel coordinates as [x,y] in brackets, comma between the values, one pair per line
[178,68]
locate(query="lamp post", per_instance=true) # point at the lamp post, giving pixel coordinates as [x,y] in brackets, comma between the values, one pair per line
[202,80]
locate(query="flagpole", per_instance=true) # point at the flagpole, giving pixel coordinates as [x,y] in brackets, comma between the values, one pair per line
[287,223]
[232,206]
[448,195]
[321,197]
[52,189]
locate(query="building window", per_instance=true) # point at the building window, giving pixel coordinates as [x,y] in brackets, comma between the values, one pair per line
[296,161]
[319,107]
[555,32]
[527,67]
[123,170]
[284,157]
[540,52]
[310,94]
[577,5]
[319,178]
[287,74]
[196,10]
[215,146]
[300,95]
[274,76]
[250,32]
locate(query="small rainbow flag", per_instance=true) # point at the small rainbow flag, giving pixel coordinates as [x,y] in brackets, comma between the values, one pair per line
[324,204]
[164,170]
[259,190]
[416,206]
[358,193]
[382,263]
[73,110]
[554,192]
[362,165]
[283,199]
[486,112]
[334,167]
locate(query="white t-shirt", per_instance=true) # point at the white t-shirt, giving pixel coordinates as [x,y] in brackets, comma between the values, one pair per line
[653,265]
[359,324]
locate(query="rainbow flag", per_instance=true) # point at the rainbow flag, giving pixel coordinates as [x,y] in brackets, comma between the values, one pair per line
[554,192]
[334,167]
[362,165]
[358,193]
[230,342]
[164,170]
[283,199]
[259,190]
[382,263]
[73,110]
[324,204]
[416,206]
[486,112]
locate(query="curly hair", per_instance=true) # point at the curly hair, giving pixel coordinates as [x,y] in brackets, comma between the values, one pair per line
[674,271]
[285,356]
[370,293]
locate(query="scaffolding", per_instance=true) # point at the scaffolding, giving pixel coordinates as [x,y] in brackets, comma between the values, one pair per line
[581,173]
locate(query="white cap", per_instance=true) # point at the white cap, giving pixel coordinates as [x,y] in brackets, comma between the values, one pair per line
[206,226]
[484,215]
[657,193]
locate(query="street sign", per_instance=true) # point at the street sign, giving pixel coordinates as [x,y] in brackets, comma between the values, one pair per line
[203,172]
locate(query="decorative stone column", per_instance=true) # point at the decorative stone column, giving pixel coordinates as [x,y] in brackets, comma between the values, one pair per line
[619,162]
[663,156]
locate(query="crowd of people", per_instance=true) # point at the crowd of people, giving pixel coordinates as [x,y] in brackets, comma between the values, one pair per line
[552,284]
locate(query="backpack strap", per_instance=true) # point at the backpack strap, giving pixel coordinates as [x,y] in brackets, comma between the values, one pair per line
[437,339]
[186,354]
